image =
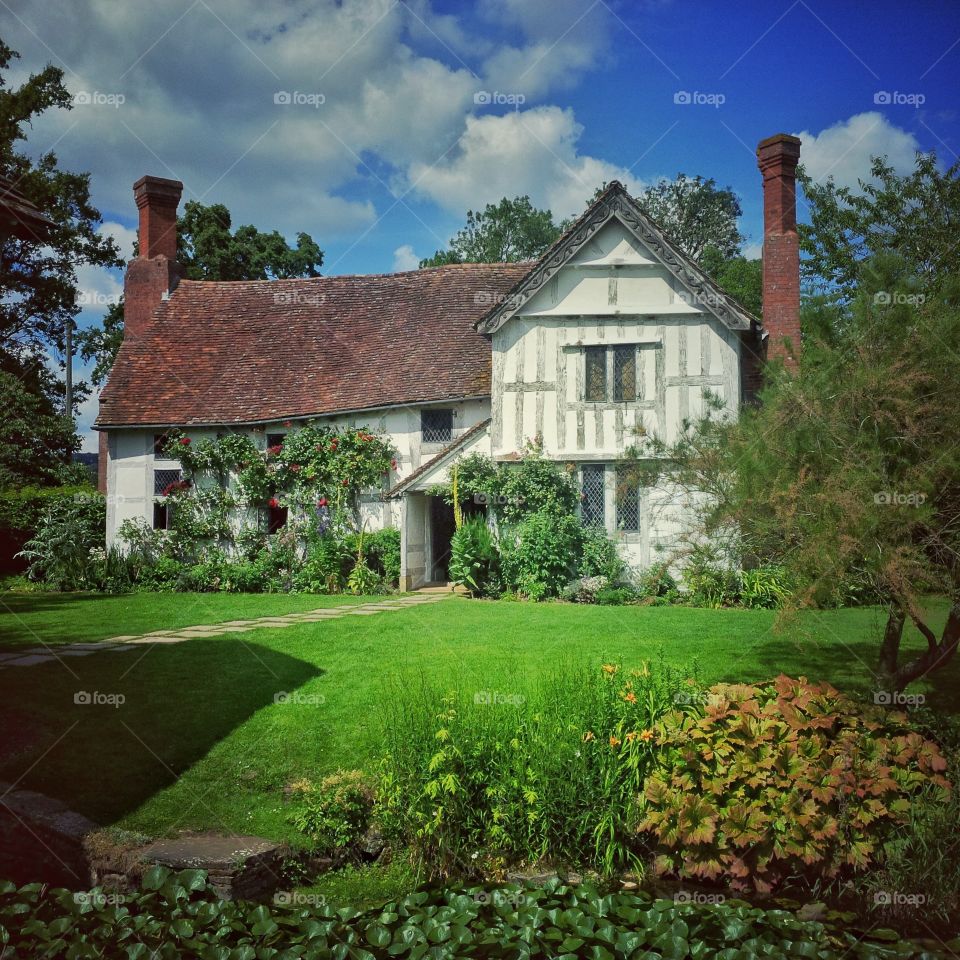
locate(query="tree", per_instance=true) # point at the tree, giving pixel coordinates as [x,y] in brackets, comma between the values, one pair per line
[209,250]
[38,281]
[508,231]
[849,472]
[915,216]
[36,440]
[738,276]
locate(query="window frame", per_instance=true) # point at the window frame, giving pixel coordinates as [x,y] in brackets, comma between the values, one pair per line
[600,351]
[629,351]
[425,412]
[627,482]
[596,470]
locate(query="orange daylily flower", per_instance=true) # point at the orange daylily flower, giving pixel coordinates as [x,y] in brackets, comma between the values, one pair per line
[614,742]
[630,697]
[631,736]
[610,668]
[647,735]
[588,736]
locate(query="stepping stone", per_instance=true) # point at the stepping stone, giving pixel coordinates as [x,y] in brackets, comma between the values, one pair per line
[28,661]
[140,640]
[99,645]
[235,629]
[123,639]
[237,623]
[162,633]
[364,613]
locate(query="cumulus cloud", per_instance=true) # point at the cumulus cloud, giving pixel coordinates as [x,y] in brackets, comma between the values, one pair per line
[843,151]
[532,152]
[404,258]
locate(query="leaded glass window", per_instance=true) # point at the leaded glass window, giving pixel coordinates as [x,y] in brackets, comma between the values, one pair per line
[436,426]
[628,500]
[596,361]
[624,373]
[592,495]
[163,479]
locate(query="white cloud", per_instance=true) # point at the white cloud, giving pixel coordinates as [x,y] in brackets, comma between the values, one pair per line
[404,258]
[531,152]
[844,150]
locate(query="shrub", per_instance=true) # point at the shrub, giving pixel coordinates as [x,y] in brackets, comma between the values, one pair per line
[59,553]
[473,781]
[764,588]
[785,779]
[584,589]
[533,485]
[599,556]
[473,556]
[709,582]
[615,596]
[337,814]
[656,584]
[537,559]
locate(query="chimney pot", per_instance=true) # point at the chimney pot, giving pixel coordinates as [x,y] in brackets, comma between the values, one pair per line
[777,158]
[155,272]
[157,200]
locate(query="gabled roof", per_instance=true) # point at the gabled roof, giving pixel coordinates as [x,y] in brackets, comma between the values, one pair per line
[615,202]
[260,351]
[464,440]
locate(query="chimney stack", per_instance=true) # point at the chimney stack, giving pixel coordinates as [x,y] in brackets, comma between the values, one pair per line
[777,157]
[155,272]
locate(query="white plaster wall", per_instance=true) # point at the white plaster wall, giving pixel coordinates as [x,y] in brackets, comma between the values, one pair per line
[131,463]
[612,293]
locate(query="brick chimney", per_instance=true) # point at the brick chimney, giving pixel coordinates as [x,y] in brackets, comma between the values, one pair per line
[155,272]
[777,158]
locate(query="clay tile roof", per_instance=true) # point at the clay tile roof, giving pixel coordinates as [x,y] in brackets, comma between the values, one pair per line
[247,352]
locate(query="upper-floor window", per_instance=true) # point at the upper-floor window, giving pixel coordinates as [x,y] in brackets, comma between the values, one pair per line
[275,440]
[596,381]
[436,426]
[624,386]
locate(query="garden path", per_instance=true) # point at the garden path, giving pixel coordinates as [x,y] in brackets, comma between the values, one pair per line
[45,654]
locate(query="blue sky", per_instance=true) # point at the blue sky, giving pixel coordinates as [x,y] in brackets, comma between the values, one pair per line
[388,138]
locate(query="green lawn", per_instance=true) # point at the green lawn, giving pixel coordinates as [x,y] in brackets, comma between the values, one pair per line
[200,741]
[32,619]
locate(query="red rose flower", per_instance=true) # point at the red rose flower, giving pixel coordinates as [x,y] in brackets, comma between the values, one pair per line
[393,463]
[333,444]
[295,467]
[184,441]
[275,449]
[322,502]
[273,502]
[345,482]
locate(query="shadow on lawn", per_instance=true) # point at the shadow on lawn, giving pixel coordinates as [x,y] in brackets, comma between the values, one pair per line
[104,759]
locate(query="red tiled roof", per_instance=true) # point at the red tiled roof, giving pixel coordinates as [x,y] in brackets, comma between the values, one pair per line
[246,352]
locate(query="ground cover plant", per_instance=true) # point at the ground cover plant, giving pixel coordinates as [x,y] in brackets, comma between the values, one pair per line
[178,915]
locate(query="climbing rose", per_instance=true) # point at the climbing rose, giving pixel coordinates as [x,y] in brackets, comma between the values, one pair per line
[295,467]
[393,463]
[273,502]
[322,502]
[184,441]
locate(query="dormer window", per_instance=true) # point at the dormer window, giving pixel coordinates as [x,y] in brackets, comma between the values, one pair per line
[436,425]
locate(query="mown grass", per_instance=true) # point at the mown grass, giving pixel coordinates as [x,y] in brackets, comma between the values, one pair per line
[202,740]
